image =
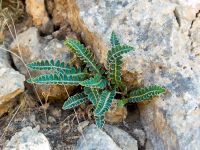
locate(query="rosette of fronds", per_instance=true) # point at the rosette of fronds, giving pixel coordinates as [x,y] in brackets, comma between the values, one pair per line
[99,87]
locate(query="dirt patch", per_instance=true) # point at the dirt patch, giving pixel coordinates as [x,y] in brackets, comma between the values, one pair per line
[59,126]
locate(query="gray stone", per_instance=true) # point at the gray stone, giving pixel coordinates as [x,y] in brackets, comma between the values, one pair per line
[28,139]
[122,138]
[140,135]
[31,47]
[165,36]
[11,82]
[95,139]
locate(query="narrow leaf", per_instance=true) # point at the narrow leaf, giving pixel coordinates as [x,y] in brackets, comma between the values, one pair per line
[145,93]
[47,65]
[84,54]
[93,94]
[95,82]
[74,101]
[114,40]
[105,102]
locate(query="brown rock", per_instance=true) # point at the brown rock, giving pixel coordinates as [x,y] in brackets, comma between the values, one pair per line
[115,114]
[36,9]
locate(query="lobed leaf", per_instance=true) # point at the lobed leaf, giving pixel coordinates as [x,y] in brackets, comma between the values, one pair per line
[145,93]
[84,54]
[105,102]
[95,82]
[72,77]
[47,65]
[117,51]
[115,71]
[74,101]
[93,94]
[114,40]
[99,120]
[114,62]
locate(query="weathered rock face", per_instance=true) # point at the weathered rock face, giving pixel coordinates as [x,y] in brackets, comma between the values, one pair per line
[28,138]
[36,9]
[33,48]
[111,139]
[165,37]
[8,75]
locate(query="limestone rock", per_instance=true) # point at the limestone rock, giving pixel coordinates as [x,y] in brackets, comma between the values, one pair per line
[32,47]
[94,138]
[12,82]
[164,55]
[140,135]
[112,139]
[36,9]
[122,138]
[28,138]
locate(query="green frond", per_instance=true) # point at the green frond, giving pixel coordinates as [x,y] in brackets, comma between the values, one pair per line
[114,40]
[145,93]
[74,101]
[105,102]
[115,71]
[47,65]
[95,82]
[99,120]
[59,78]
[117,51]
[93,94]
[84,54]
[114,62]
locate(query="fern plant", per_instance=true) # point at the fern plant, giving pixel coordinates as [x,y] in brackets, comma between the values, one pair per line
[100,87]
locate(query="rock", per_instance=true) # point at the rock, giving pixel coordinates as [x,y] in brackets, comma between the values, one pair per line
[36,9]
[12,82]
[94,138]
[115,114]
[28,138]
[140,135]
[122,138]
[32,47]
[165,55]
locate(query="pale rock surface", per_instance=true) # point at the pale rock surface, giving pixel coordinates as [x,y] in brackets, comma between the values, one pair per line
[11,82]
[167,53]
[140,135]
[32,48]
[28,139]
[122,138]
[116,139]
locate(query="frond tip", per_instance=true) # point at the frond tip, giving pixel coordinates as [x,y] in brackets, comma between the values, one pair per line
[114,40]
[74,101]
[145,93]
[99,120]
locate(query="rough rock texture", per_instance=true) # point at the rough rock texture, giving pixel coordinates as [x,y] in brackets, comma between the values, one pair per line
[32,48]
[28,139]
[11,82]
[115,114]
[36,9]
[122,138]
[165,35]
[94,138]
